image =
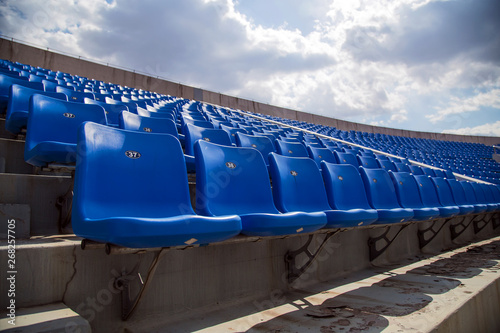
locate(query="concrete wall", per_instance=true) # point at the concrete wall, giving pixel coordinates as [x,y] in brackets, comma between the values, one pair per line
[22,53]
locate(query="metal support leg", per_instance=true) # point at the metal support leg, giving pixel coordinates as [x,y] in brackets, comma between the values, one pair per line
[423,240]
[373,241]
[294,272]
[124,282]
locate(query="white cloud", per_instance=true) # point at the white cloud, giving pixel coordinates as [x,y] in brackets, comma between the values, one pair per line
[471,104]
[482,130]
[369,61]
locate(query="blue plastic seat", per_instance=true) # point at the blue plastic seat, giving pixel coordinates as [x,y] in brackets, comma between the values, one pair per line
[387,165]
[132,107]
[195,133]
[470,195]
[74,96]
[428,171]
[409,197]
[347,196]
[439,173]
[131,189]
[235,180]
[154,114]
[51,136]
[291,149]
[382,197]
[263,144]
[18,107]
[133,122]
[6,81]
[321,154]
[481,197]
[231,131]
[416,170]
[460,198]
[445,195]
[298,186]
[346,158]
[112,111]
[429,196]
[368,162]
[401,167]
[449,174]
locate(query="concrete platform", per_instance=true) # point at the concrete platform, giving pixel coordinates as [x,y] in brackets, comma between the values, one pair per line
[457,291]
[51,318]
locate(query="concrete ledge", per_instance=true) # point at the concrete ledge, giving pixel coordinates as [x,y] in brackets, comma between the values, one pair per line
[458,291]
[40,193]
[49,318]
[20,214]
[12,151]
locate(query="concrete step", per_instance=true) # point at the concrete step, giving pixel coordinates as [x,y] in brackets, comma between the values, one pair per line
[38,195]
[12,157]
[457,291]
[3,132]
[51,318]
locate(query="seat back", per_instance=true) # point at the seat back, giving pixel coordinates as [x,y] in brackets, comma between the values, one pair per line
[321,154]
[19,98]
[368,162]
[470,194]
[406,189]
[387,165]
[427,191]
[231,131]
[344,186]
[346,158]
[416,170]
[231,180]
[263,144]
[133,122]
[195,133]
[379,188]
[443,190]
[402,167]
[6,81]
[293,149]
[74,96]
[131,174]
[112,111]
[297,184]
[458,192]
[428,171]
[56,121]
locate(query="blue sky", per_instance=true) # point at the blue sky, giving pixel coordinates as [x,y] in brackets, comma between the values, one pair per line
[413,64]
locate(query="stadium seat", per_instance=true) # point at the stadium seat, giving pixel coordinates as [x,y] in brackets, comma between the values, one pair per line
[481,197]
[387,165]
[347,196]
[51,136]
[346,158]
[368,162]
[401,167]
[131,189]
[298,186]
[290,149]
[428,171]
[416,170]
[430,198]
[445,195]
[263,144]
[409,197]
[133,122]
[231,131]
[194,133]
[236,180]
[321,154]
[382,197]
[112,111]
[74,96]
[460,199]
[18,107]
[6,81]
[470,195]
[439,173]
